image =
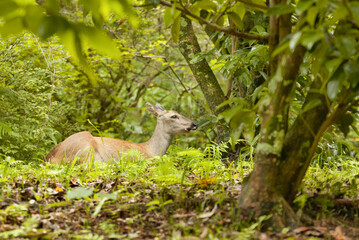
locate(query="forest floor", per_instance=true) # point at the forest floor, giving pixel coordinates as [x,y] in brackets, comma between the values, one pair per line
[162,200]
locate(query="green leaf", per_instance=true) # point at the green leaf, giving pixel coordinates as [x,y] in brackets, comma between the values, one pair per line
[309,38]
[52,6]
[176,28]
[151,208]
[260,3]
[294,41]
[235,19]
[312,104]
[333,89]
[154,202]
[205,5]
[221,21]
[167,202]
[332,66]
[312,15]
[124,9]
[239,9]
[347,45]
[73,43]
[351,70]
[51,25]
[99,40]
[110,196]
[13,26]
[7,6]
[167,17]
[79,192]
[34,18]
[354,6]
[339,13]
[280,9]
[303,5]
[345,122]
[335,83]
[239,120]
[319,54]
[170,15]
[98,207]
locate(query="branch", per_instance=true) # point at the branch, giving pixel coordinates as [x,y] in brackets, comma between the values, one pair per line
[259,38]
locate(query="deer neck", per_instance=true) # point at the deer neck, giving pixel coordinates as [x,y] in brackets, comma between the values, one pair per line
[159,142]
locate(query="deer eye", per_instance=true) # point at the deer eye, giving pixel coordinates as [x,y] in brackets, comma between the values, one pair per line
[174,117]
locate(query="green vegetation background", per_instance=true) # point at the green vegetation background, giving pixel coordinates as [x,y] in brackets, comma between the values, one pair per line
[46,96]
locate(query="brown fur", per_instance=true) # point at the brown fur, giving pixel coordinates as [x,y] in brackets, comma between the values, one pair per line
[53,152]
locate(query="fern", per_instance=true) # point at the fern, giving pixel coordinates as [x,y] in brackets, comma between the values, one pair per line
[5,129]
[168,179]
[9,93]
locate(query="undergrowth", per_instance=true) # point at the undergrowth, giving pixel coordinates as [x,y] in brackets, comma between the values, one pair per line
[187,193]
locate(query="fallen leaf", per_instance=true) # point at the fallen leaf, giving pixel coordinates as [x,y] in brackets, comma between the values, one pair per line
[209,214]
[206,181]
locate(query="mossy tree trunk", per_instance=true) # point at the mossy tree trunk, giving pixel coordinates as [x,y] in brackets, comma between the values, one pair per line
[203,73]
[264,192]
[284,152]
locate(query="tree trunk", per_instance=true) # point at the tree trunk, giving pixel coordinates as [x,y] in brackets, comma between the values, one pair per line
[284,152]
[261,195]
[204,75]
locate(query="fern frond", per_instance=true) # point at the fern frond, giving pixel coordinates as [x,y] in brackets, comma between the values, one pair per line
[5,129]
[9,93]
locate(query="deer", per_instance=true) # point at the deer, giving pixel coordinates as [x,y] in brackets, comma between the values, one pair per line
[83,146]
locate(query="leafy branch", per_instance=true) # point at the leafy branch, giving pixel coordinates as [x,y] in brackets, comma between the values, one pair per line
[249,36]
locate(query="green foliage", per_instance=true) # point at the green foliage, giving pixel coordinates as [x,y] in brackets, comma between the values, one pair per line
[108,199]
[26,96]
[46,96]
[18,16]
[218,12]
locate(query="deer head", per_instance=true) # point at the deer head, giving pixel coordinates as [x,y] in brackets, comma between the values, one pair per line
[171,122]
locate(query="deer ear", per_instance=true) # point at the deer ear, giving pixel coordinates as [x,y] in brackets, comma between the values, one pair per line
[159,106]
[154,110]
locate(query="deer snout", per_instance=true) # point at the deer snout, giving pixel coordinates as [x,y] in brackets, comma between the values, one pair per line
[193,127]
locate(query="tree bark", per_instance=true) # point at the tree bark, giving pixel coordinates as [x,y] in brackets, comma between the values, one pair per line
[204,75]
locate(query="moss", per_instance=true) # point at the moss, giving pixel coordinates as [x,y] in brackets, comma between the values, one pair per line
[277,78]
[277,137]
[265,103]
[265,149]
[183,23]
[278,141]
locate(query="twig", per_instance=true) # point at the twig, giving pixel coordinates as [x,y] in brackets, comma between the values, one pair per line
[178,78]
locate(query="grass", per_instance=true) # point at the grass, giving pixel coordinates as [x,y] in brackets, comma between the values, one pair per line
[188,194]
